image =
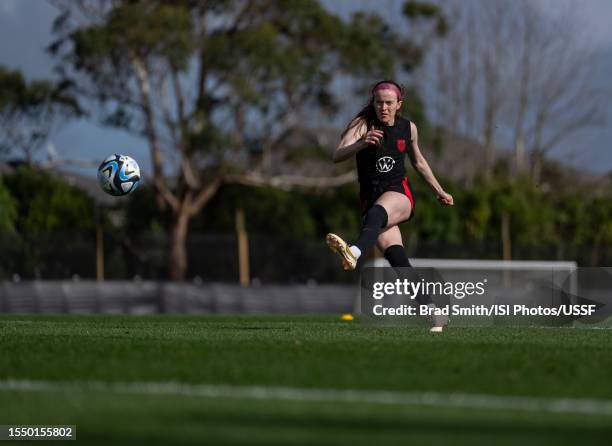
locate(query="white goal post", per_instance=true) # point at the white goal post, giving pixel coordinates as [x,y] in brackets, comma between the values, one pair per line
[504,270]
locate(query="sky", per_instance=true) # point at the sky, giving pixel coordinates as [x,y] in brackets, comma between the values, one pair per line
[25,30]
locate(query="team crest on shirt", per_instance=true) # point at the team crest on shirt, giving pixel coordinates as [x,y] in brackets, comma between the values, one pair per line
[401,145]
[385,164]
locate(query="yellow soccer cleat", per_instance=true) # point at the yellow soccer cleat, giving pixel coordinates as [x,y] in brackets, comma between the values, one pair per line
[339,246]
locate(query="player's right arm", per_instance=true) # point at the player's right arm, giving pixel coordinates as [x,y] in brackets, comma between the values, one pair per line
[355,139]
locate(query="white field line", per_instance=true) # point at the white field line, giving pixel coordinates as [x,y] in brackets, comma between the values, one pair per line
[432,399]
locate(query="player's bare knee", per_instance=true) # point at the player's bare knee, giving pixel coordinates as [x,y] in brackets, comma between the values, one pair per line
[390,237]
[383,242]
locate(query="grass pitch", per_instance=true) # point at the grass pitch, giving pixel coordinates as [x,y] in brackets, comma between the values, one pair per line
[138,380]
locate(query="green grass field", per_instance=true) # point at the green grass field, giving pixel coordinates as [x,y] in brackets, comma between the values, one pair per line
[303,380]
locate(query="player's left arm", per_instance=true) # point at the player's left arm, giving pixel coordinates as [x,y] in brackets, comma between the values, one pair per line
[422,167]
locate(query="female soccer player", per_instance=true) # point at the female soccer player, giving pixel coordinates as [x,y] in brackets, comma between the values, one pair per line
[380,138]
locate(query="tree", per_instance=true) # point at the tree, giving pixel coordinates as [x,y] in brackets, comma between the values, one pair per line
[48,212]
[31,111]
[599,211]
[470,88]
[46,204]
[212,85]
[508,75]
[8,211]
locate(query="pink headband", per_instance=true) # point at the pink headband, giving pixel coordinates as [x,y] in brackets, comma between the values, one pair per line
[389,86]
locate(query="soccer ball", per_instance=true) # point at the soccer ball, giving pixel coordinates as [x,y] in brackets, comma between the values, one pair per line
[119,175]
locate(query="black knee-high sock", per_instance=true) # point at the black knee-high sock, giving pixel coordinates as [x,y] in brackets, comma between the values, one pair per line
[397,258]
[374,221]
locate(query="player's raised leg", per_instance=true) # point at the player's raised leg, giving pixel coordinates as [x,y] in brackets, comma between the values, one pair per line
[389,210]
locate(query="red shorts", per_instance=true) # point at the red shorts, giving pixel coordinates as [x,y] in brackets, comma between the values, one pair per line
[369,195]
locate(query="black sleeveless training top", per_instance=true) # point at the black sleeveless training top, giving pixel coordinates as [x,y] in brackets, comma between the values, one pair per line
[385,163]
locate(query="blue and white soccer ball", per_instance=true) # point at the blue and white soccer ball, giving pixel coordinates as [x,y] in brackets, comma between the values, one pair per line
[119,175]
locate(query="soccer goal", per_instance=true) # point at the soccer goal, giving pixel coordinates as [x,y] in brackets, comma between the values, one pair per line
[505,285]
